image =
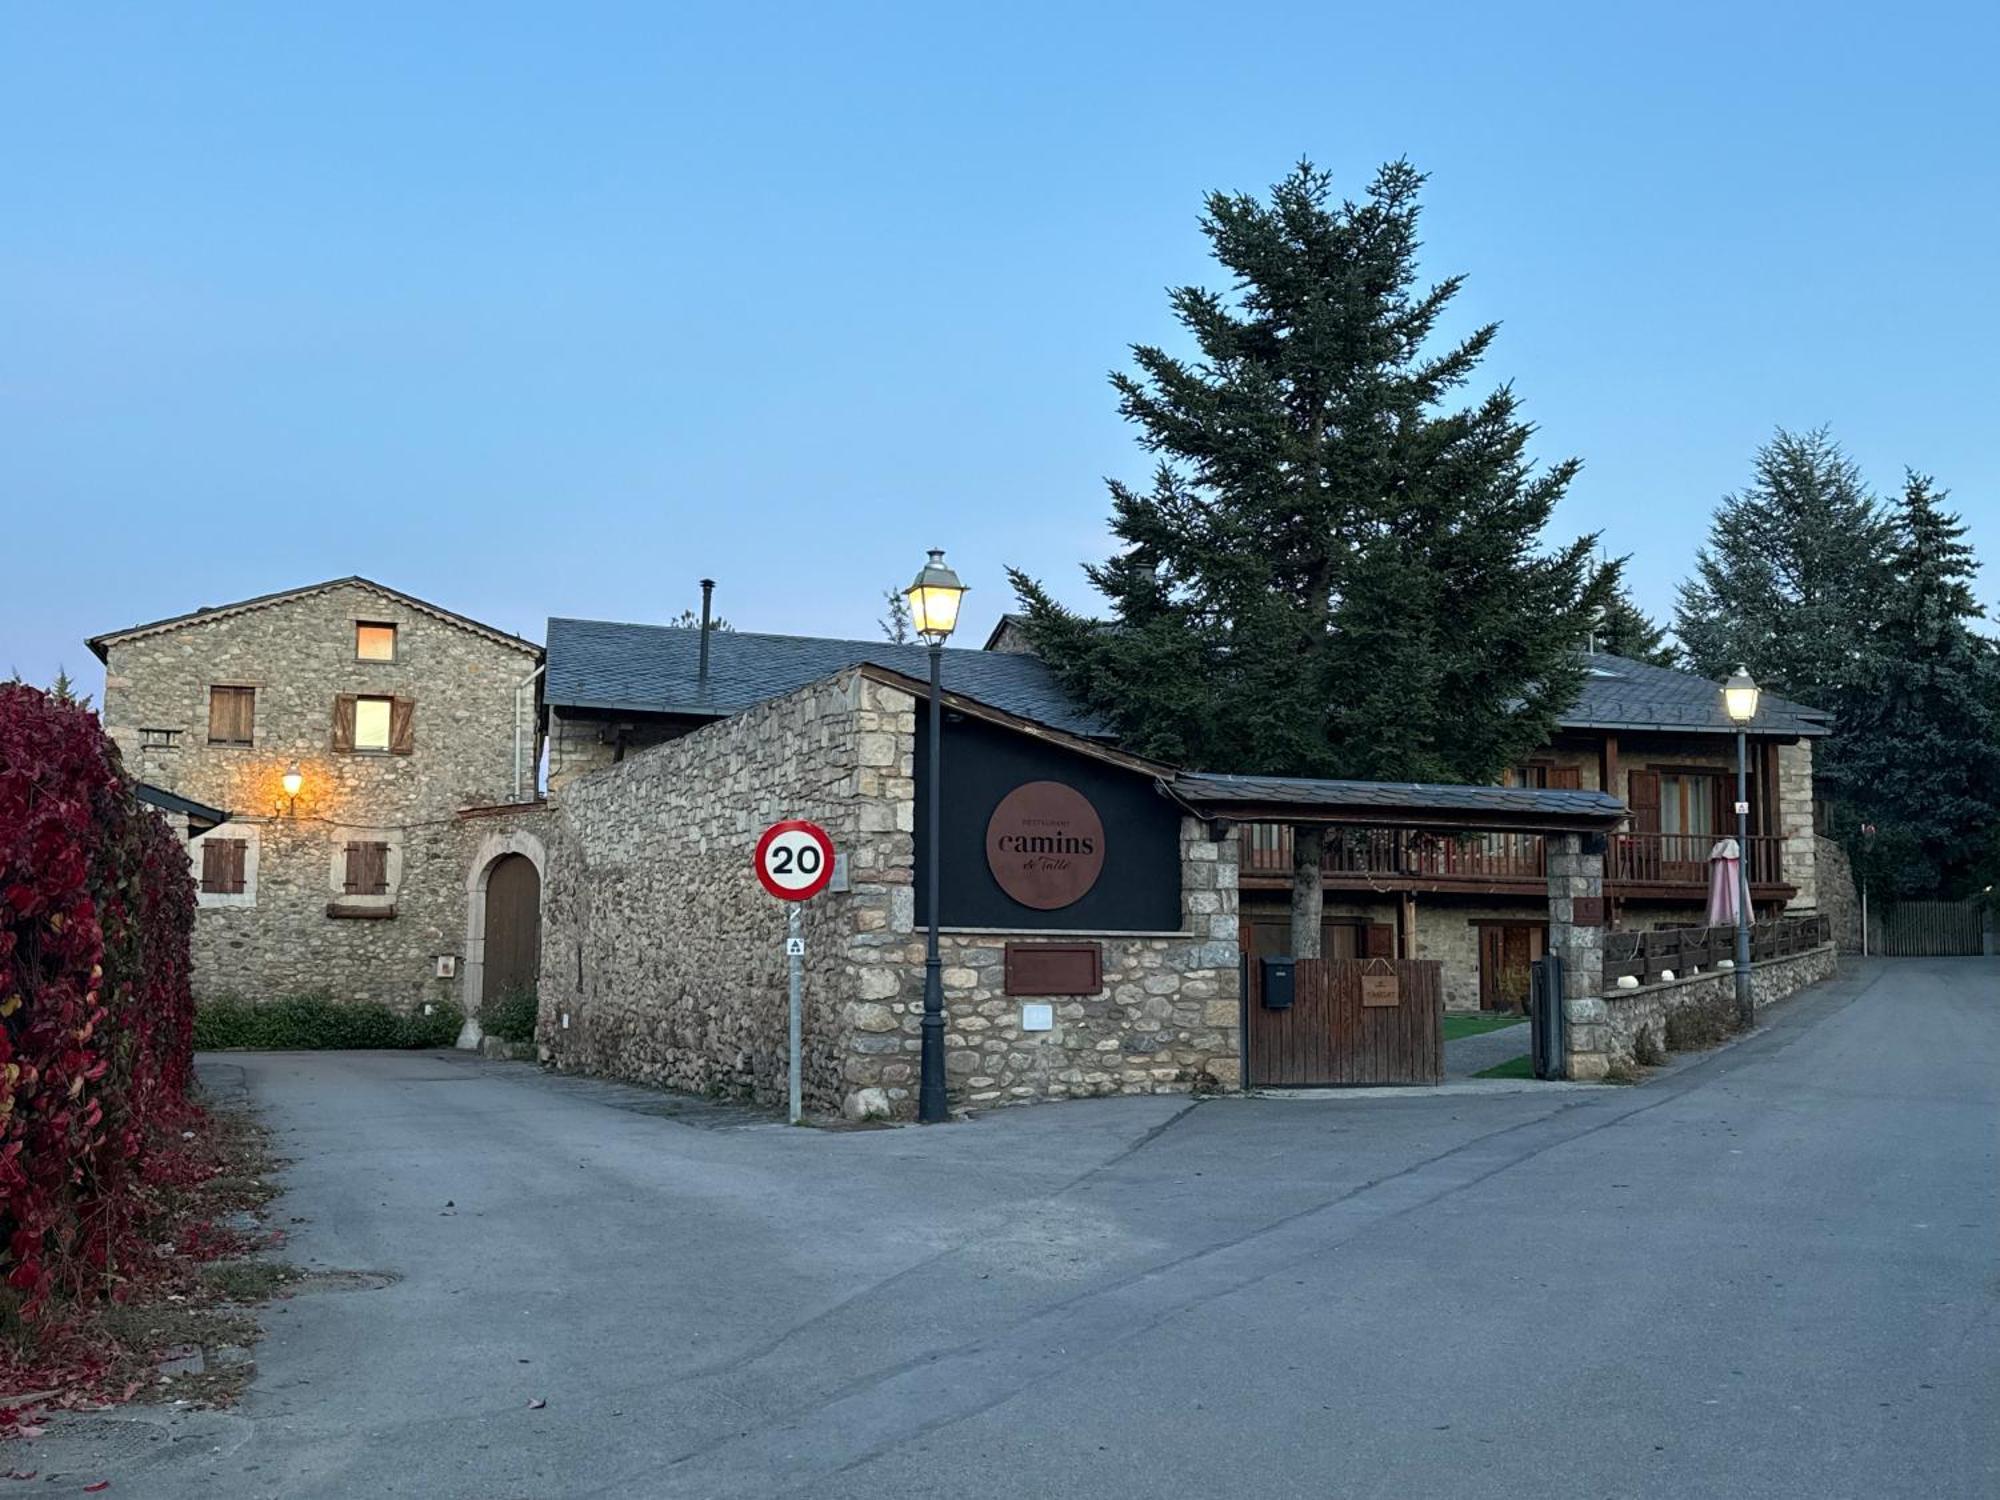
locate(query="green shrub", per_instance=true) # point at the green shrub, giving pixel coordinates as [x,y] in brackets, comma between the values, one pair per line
[319,1022]
[511,1016]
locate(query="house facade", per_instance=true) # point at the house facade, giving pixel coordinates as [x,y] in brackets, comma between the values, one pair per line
[399,720]
[1655,739]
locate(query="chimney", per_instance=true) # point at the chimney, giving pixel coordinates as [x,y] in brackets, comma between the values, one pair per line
[707,600]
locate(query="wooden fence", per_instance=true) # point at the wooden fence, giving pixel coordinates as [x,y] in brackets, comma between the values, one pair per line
[1928,929]
[1647,956]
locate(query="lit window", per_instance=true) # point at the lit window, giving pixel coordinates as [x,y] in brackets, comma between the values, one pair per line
[371,723]
[375,642]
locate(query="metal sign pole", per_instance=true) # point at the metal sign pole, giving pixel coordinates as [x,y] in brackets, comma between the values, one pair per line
[795,948]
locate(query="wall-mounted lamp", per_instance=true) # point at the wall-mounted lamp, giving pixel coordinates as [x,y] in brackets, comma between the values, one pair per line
[292,781]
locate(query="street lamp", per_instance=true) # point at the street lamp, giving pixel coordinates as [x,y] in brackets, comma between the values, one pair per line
[1739,698]
[933,599]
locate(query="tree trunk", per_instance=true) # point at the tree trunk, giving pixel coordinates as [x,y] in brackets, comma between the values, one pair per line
[1308,846]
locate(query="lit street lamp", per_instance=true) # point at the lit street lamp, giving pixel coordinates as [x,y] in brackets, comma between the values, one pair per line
[933,601]
[1739,697]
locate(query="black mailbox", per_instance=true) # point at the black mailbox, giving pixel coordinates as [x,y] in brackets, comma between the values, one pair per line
[1277,983]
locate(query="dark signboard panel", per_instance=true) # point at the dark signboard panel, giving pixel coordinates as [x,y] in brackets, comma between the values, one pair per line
[1035,836]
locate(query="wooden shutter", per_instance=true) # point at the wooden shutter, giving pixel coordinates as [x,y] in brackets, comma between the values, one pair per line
[367,869]
[222,867]
[351,883]
[378,869]
[1381,940]
[343,726]
[1644,800]
[402,725]
[1565,778]
[231,715]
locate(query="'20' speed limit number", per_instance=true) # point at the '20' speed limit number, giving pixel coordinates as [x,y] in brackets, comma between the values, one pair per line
[794,859]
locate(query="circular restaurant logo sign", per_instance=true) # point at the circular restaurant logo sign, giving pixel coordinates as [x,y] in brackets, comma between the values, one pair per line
[1045,845]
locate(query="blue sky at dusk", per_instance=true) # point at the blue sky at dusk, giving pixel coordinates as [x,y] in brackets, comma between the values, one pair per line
[553,310]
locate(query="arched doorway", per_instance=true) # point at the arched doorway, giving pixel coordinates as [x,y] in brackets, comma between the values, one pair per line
[512,950]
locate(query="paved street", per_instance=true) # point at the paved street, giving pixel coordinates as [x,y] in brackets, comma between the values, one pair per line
[1769,1272]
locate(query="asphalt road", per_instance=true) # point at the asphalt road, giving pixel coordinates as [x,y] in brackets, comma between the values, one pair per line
[1771,1271]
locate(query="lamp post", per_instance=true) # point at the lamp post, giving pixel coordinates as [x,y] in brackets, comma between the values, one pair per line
[1739,697]
[933,600]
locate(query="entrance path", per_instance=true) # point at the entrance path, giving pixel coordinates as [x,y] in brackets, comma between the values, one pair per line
[1771,1273]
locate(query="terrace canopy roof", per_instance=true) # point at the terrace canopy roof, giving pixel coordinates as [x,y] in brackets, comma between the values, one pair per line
[1404,804]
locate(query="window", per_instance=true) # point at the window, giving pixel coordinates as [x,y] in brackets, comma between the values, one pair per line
[374,642]
[222,867]
[367,870]
[232,715]
[159,739]
[371,723]
[1687,803]
[1530,776]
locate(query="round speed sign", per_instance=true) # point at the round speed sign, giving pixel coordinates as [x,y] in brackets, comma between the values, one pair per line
[794,859]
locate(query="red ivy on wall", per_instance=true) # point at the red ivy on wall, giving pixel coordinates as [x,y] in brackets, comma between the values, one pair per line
[96,1016]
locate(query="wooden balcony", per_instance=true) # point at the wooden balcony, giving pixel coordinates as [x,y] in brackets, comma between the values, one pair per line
[1668,865]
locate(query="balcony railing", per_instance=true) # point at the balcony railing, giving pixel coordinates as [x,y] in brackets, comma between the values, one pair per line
[1393,854]
[1682,859]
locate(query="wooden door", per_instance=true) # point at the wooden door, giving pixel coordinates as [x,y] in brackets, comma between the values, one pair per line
[513,955]
[1507,951]
[1329,1036]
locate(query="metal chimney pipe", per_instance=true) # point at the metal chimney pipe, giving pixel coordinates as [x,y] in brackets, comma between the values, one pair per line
[707,599]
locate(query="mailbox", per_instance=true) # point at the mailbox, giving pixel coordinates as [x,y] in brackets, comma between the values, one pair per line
[1277,983]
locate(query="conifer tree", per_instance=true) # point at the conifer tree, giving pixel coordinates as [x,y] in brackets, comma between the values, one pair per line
[1628,631]
[1791,581]
[1333,571]
[1922,738]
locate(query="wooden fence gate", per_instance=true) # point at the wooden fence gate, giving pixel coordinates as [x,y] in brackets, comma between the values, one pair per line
[1351,1021]
[1928,929]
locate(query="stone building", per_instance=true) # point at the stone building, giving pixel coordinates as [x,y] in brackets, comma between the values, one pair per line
[398,720]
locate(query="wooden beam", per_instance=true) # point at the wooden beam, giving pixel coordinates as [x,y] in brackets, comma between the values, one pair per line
[1409,924]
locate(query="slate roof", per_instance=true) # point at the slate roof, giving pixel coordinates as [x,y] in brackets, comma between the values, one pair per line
[166,801]
[620,668]
[1619,693]
[1206,789]
[100,643]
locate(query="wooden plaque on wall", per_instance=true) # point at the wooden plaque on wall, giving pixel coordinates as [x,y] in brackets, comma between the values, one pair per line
[1045,845]
[1381,989]
[1054,968]
[1587,911]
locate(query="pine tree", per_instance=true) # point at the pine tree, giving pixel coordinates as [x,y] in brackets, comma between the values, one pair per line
[1623,629]
[895,625]
[1922,742]
[1332,573]
[687,619]
[1791,581]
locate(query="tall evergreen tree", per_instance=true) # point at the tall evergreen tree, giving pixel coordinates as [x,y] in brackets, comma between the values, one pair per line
[1332,573]
[1922,739]
[1791,581]
[1624,629]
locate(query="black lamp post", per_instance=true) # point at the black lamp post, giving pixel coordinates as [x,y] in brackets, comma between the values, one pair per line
[1739,696]
[933,600]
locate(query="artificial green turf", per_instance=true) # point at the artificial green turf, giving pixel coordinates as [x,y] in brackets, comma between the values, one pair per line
[1515,1067]
[1472,1025]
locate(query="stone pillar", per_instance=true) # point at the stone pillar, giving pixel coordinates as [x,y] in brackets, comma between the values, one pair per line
[1576,935]
[1798,854]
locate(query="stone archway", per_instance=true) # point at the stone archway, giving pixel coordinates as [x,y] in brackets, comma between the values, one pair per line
[494,852]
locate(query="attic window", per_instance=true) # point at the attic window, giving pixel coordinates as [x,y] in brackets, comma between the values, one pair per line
[374,642]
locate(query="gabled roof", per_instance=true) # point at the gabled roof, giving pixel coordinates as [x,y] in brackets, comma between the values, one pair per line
[606,666]
[99,643]
[1260,798]
[1619,693]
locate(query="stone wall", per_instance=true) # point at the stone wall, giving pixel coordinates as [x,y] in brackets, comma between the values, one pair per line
[298,654]
[662,959]
[580,743]
[1839,900]
[1623,1014]
[1800,851]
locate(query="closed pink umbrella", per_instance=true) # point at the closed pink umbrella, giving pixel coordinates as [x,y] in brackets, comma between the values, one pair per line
[1725,883]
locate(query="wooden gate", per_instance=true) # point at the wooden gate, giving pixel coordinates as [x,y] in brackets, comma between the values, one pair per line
[1333,1033]
[1928,929]
[513,951]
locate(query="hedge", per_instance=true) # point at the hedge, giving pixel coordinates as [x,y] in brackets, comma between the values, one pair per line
[319,1022]
[96,1016]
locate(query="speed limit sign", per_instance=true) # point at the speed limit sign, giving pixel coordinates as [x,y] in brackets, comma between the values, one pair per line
[794,859]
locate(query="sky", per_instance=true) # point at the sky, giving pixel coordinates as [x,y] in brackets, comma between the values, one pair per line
[555,310]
